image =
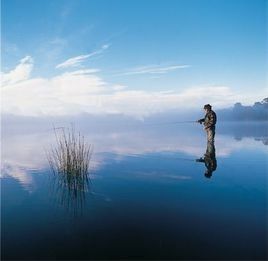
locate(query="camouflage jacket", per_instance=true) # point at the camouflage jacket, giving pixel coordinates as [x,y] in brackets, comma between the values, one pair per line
[210,119]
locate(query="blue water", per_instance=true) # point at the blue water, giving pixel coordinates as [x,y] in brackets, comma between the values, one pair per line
[148,197]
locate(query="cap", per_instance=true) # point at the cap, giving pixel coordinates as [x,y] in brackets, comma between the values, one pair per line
[207,106]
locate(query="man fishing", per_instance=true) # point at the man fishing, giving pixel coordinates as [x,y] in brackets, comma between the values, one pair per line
[209,122]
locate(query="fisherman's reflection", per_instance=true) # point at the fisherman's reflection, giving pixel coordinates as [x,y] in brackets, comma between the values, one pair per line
[209,159]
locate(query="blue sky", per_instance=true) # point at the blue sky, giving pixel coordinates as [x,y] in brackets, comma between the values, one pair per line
[132,50]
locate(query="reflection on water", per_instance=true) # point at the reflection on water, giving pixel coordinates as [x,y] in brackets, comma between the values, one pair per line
[241,130]
[70,191]
[209,159]
[149,200]
[264,140]
[25,151]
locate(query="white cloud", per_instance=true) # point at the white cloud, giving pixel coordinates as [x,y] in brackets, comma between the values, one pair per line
[153,69]
[20,73]
[83,91]
[83,72]
[76,61]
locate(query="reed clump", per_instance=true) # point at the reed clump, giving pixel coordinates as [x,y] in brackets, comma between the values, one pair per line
[69,158]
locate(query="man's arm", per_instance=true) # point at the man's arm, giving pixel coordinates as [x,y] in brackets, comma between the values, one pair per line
[201,120]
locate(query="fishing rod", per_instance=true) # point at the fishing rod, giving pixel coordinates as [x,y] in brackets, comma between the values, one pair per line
[145,123]
[172,122]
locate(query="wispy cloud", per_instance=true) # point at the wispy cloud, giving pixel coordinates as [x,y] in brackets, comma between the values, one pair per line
[20,73]
[76,61]
[153,69]
[84,72]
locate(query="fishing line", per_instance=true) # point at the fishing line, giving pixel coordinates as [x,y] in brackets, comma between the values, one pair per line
[172,122]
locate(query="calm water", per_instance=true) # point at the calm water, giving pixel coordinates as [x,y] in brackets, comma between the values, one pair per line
[148,197]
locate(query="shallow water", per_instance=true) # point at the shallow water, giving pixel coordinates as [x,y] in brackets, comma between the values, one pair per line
[148,197]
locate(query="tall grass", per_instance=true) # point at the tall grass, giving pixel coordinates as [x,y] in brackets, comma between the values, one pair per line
[71,154]
[69,160]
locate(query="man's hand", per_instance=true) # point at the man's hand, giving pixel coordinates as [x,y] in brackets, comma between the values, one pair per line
[199,121]
[200,160]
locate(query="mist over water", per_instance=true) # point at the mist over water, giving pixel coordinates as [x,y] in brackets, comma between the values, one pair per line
[148,196]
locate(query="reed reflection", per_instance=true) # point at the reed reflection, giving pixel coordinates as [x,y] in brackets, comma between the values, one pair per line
[69,161]
[209,159]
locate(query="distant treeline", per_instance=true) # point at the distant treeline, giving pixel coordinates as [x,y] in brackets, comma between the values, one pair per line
[239,112]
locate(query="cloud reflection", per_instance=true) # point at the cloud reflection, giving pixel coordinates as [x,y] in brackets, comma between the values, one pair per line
[20,174]
[24,152]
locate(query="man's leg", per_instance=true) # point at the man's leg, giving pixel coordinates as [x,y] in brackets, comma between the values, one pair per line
[210,135]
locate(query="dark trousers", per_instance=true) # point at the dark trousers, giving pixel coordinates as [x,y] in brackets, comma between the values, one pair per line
[210,134]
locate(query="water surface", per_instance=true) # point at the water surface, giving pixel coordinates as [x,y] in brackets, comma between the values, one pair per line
[148,197]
